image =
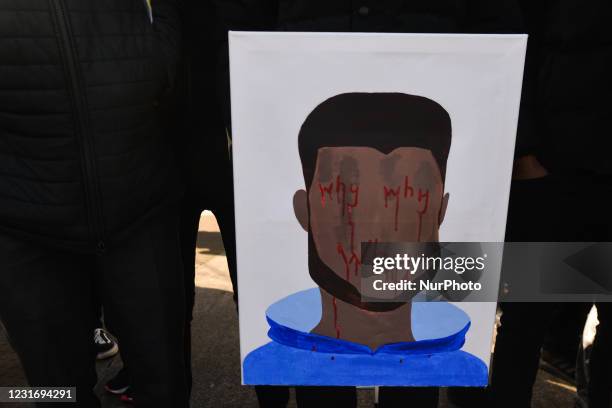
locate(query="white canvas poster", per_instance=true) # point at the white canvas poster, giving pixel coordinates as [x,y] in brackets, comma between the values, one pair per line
[345,139]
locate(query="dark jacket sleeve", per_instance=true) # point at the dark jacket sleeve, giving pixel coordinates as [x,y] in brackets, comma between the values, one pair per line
[167,22]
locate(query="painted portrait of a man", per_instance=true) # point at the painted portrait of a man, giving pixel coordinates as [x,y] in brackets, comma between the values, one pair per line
[374,167]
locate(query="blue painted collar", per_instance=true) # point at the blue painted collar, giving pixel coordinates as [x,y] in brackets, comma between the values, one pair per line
[437,327]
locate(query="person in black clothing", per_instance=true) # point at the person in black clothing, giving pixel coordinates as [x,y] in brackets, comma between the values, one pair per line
[436,16]
[204,150]
[562,183]
[192,116]
[89,192]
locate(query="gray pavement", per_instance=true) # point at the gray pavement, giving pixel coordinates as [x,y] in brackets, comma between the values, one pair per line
[216,364]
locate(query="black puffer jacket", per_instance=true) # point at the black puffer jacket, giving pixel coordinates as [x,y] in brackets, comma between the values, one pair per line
[82,159]
[569,59]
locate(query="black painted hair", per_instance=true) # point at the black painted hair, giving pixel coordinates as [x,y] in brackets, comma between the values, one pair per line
[384,121]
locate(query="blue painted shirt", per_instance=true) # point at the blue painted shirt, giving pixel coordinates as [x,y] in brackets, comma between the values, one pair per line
[297,357]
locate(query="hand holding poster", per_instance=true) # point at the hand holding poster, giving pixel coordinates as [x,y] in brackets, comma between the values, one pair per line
[347,139]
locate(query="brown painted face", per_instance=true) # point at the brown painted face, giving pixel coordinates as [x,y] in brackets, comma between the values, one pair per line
[359,194]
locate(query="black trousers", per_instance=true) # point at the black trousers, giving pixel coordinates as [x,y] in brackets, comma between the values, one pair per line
[558,208]
[191,210]
[47,302]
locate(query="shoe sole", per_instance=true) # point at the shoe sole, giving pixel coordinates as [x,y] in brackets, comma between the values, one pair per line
[109,353]
[118,391]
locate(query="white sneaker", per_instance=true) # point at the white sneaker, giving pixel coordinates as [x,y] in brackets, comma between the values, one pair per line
[105,345]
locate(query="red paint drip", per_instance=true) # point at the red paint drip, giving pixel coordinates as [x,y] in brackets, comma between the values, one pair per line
[352,227]
[357,261]
[408,193]
[354,259]
[340,199]
[408,188]
[349,207]
[345,259]
[336,326]
[389,192]
[327,190]
[424,195]
[422,211]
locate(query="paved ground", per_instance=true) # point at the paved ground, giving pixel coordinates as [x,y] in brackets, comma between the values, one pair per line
[215,340]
